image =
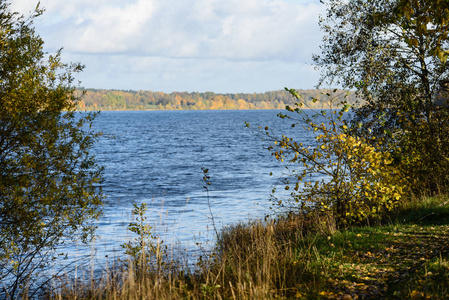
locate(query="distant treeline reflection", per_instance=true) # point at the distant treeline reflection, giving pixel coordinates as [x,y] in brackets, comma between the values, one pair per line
[96,99]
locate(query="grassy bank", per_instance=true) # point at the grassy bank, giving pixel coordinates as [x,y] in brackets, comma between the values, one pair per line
[300,258]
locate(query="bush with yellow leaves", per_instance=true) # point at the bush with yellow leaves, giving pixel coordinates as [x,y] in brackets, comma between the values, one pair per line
[358,180]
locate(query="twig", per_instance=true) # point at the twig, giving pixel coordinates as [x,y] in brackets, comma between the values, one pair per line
[206,179]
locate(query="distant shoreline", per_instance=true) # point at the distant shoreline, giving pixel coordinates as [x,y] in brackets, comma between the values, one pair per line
[117,100]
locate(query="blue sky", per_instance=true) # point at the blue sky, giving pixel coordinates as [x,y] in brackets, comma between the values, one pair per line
[185,45]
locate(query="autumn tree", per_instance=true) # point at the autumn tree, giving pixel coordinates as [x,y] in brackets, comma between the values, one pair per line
[394,54]
[396,140]
[49,181]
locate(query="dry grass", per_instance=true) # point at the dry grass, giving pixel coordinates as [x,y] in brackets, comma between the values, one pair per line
[256,260]
[298,257]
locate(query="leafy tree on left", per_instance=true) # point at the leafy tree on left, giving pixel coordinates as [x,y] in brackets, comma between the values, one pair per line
[50,190]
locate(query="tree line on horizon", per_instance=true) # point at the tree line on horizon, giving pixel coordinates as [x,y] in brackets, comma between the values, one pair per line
[104,99]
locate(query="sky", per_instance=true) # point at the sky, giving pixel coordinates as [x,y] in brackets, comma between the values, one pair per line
[222,46]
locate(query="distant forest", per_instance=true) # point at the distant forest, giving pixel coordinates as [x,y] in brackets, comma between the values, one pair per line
[97,99]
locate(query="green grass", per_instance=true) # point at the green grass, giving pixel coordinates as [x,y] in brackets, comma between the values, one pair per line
[406,258]
[305,258]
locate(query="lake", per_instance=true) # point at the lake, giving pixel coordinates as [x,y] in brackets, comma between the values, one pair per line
[156,157]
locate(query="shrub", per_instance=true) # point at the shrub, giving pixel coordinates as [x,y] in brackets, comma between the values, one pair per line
[358,180]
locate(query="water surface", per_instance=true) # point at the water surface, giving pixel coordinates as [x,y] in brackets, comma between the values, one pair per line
[156,157]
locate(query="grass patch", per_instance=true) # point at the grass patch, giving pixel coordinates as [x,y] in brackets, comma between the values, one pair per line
[303,258]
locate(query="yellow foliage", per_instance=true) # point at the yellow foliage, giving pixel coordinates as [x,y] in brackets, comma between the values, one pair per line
[361,181]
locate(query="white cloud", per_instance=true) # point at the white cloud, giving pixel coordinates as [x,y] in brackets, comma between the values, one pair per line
[232,29]
[192,38]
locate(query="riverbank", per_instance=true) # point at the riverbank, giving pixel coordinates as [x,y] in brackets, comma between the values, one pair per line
[406,257]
